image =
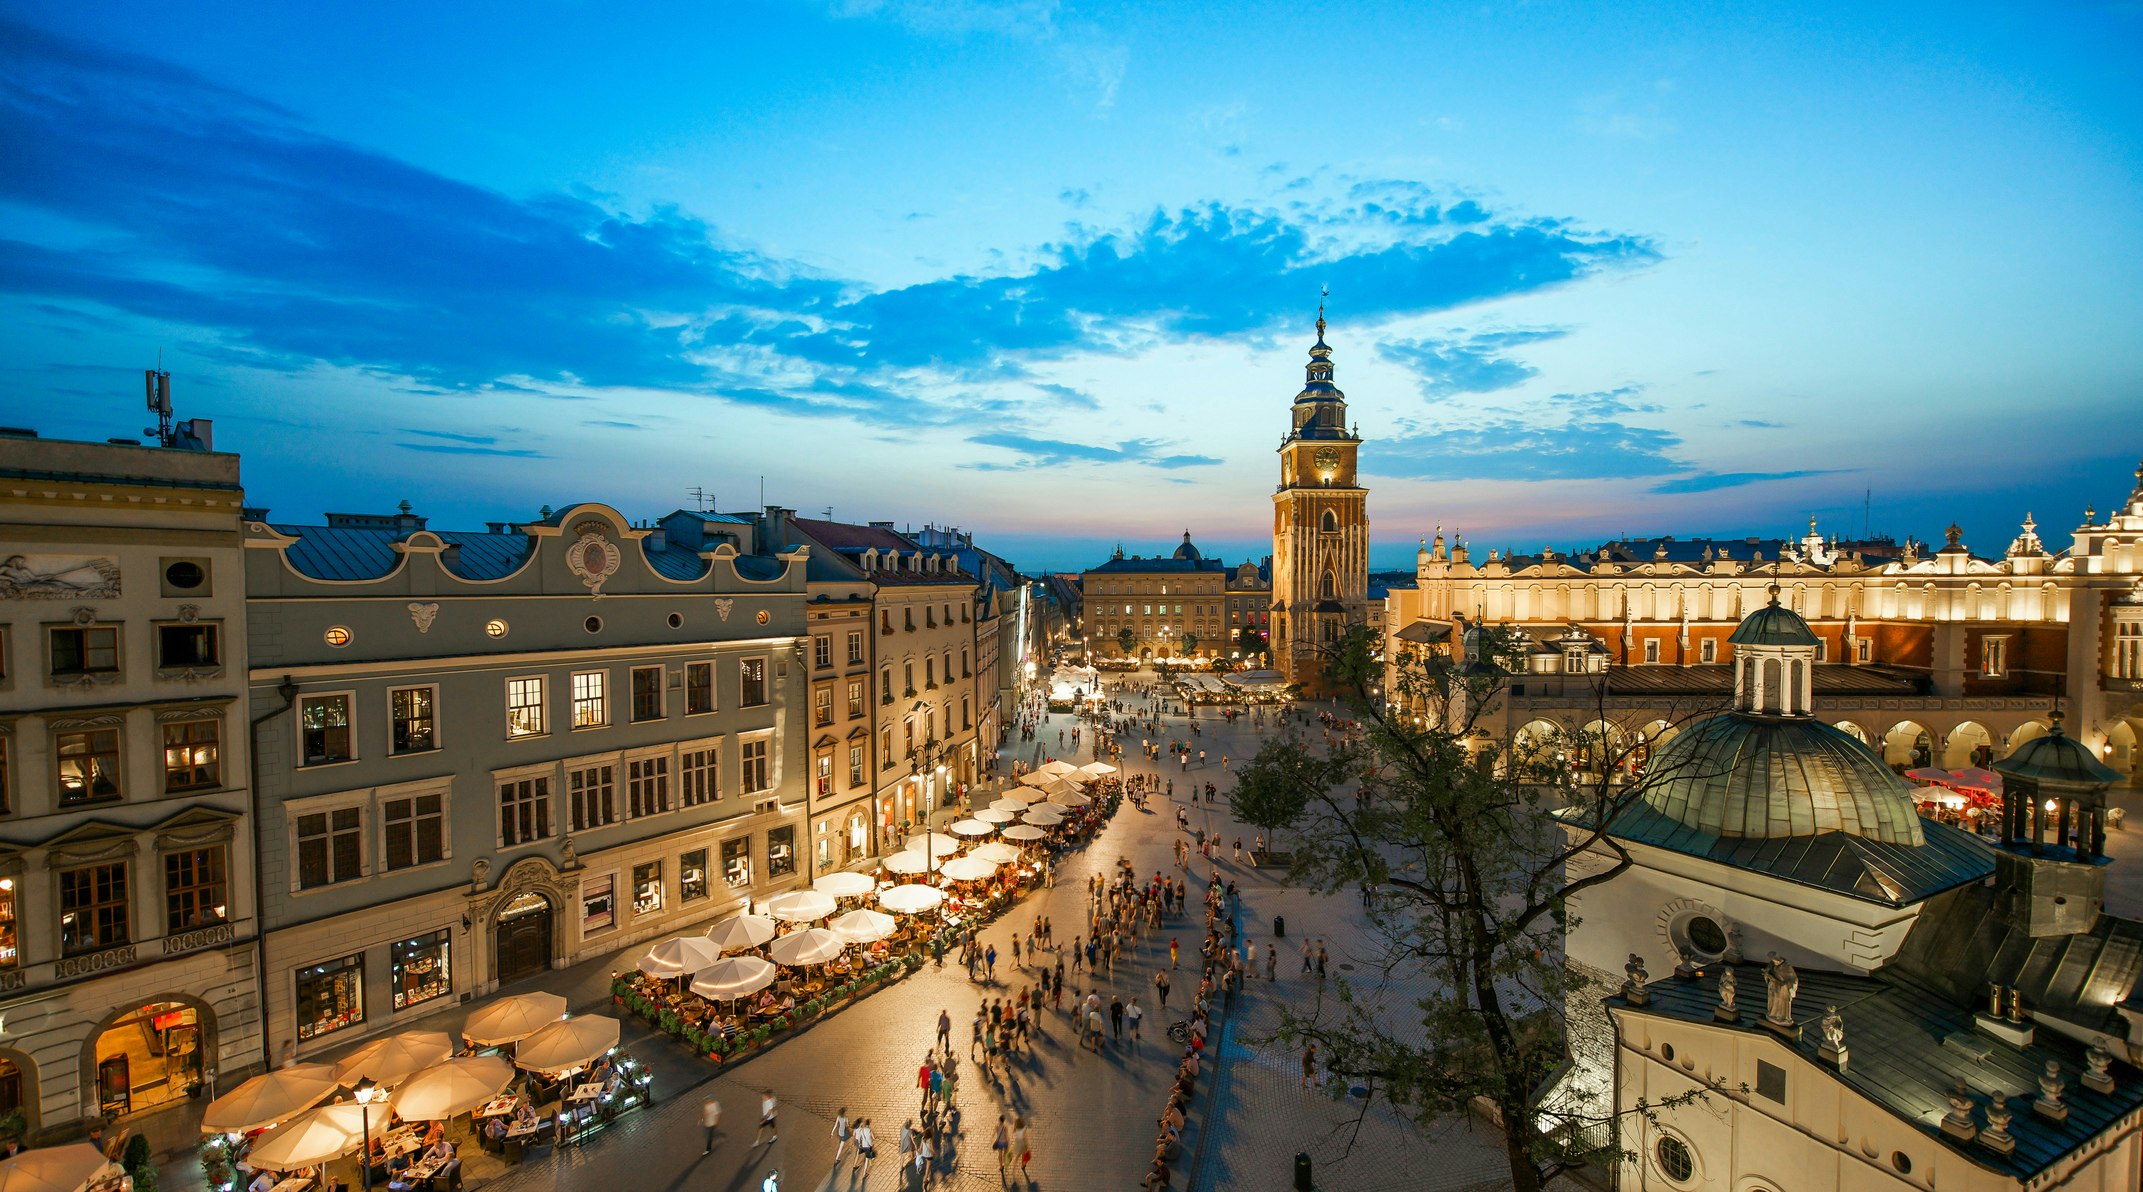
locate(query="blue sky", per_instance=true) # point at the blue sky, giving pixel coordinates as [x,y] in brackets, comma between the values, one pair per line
[1046,270]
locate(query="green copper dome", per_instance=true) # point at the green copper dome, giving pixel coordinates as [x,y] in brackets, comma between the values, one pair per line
[1777,777]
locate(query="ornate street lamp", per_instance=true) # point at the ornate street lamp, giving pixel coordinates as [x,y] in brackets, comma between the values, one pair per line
[369,1093]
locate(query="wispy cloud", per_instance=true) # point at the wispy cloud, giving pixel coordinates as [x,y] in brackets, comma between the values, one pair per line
[1049,453]
[1475,363]
[461,449]
[1704,482]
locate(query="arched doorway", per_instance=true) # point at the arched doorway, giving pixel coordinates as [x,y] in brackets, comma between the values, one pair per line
[1852,730]
[1970,744]
[2030,730]
[1908,745]
[856,837]
[522,937]
[18,1089]
[149,1056]
[2121,749]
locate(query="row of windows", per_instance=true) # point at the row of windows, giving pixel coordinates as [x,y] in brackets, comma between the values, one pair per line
[930,619]
[822,703]
[94,651]
[88,764]
[96,908]
[822,650]
[327,722]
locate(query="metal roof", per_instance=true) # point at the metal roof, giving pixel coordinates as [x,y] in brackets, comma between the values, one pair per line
[1752,776]
[1908,1048]
[340,553]
[1773,625]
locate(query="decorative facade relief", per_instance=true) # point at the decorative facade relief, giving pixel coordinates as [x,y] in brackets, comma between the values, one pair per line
[594,558]
[422,613]
[59,577]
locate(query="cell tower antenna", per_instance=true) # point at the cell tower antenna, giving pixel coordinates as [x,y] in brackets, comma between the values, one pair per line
[157,384]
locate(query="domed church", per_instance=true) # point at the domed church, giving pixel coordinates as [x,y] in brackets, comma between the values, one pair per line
[1872,999]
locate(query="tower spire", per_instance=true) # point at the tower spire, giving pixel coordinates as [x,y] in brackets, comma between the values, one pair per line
[1324,293]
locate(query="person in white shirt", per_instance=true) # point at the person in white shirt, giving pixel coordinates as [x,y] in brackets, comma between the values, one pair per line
[710,1119]
[766,1119]
[866,1148]
[840,1136]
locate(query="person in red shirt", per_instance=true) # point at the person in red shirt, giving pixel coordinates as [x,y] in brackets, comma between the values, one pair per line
[922,1080]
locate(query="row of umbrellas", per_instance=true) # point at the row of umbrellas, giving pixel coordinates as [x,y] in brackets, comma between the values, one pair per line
[430,1083]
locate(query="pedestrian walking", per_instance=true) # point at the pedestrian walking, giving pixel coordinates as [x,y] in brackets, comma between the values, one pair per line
[975,1041]
[1272,961]
[766,1118]
[866,1148]
[1015,948]
[710,1118]
[1321,958]
[1132,1015]
[1116,1016]
[1250,962]
[1238,850]
[1021,1145]
[945,1031]
[1171,953]
[1309,1063]
[989,962]
[1309,957]
[841,1134]
[1160,984]
[1078,953]
[1002,1144]
[922,1080]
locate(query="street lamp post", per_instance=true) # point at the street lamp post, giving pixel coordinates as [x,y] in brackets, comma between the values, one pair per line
[369,1093]
[920,762]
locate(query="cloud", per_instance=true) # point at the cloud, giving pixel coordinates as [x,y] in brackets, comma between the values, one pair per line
[450,436]
[459,449]
[351,258]
[1704,482]
[1759,424]
[1468,363]
[1570,436]
[1050,453]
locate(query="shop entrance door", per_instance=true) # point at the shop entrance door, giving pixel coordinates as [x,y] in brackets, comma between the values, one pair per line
[524,938]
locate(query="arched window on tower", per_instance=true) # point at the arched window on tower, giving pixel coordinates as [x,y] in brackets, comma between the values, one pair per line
[1328,587]
[1773,677]
[1330,522]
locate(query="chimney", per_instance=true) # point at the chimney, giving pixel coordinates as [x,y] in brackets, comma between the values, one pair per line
[658,539]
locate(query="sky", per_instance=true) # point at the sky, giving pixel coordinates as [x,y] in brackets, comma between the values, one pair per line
[1048,271]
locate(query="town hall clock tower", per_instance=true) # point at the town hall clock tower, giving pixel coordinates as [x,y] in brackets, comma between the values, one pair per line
[1320,528]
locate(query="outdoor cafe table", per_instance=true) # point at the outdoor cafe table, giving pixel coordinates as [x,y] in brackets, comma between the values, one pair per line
[296,1183]
[583,1094]
[499,1106]
[401,1142]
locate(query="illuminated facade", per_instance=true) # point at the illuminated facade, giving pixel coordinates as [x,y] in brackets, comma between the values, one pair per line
[1320,526]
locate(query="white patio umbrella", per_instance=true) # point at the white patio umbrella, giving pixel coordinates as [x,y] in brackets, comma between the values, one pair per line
[1058,766]
[68,1168]
[845,885]
[1073,799]
[394,1059]
[969,869]
[1037,777]
[939,842]
[972,827]
[1024,832]
[1098,769]
[1058,787]
[733,977]
[513,1018]
[1042,819]
[1015,799]
[910,900]
[800,906]
[862,927]
[453,1086]
[739,932]
[680,957]
[565,1045]
[315,1136]
[813,945]
[269,1098]
[908,863]
[994,814]
[998,851]
[1052,807]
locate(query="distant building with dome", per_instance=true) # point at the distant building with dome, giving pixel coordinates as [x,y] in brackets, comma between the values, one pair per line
[1871,999]
[1179,605]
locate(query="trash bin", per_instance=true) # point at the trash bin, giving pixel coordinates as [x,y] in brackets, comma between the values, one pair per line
[1302,1173]
[1279,926]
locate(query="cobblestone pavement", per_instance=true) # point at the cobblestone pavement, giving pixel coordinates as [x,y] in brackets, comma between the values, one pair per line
[1091,1116]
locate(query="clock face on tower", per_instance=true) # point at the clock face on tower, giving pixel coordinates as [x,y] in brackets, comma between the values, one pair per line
[1327,458]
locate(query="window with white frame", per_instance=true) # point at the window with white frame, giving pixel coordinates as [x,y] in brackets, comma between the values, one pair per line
[822,651]
[412,719]
[1651,649]
[1994,656]
[329,845]
[753,756]
[192,754]
[591,701]
[325,732]
[524,810]
[822,707]
[699,688]
[751,683]
[1708,650]
[646,693]
[1863,649]
[855,765]
[413,828]
[855,699]
[2128,650]
[699,774]
[524,707]
[855,648]
[647,785]
[593,795]
[737,862]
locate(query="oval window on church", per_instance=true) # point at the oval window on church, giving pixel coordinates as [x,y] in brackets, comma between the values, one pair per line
[1706,936]
[1674,1159]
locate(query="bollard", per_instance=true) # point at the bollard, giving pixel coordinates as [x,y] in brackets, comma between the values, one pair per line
[1302,1173]
[1279,926]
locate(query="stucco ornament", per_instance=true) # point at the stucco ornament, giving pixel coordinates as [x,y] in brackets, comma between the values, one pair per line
[1633,989]
[423,613]
[593,557]
[722,607]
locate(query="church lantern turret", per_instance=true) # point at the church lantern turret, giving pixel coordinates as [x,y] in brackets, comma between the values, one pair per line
[1774,662]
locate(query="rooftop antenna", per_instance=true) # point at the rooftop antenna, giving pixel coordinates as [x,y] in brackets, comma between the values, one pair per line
[829,513]
[762,490]
[157,382]
[702,500]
